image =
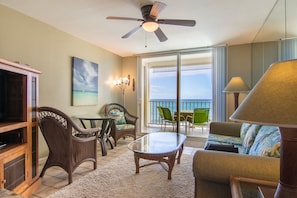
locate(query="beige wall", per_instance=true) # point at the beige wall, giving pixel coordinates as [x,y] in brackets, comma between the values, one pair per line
[130,68]
[238,64]
[49,50]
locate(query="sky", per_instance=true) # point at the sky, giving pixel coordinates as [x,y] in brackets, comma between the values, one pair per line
[196,83]
[85,75]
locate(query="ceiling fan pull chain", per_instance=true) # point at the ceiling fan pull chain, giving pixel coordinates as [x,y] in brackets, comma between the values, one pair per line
[145,39]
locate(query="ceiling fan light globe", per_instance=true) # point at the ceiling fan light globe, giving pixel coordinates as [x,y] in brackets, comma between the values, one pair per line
[150,26]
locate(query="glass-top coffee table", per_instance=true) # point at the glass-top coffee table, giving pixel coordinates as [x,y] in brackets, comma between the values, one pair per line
[158,147]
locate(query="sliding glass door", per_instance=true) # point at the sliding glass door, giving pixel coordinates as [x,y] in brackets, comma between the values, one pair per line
[195,92]
[179,82]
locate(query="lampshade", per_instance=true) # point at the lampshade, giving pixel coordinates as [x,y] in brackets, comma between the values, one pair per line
[150,26]
[236,85]
[273,100]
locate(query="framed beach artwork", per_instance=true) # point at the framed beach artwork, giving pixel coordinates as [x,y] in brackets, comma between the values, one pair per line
[84,82]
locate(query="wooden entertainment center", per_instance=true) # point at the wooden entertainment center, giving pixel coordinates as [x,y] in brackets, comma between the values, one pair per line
[18,128]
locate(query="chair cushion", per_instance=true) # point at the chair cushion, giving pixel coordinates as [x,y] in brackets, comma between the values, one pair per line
[118,116]
[124,126]
[267,142]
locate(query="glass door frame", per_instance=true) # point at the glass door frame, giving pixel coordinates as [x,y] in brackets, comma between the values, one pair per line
[142,97]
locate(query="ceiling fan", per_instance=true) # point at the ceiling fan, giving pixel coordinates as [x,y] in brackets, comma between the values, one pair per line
[150,21]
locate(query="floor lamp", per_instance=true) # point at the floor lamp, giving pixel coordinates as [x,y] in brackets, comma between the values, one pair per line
[273,101]
[236,85]
[122,83]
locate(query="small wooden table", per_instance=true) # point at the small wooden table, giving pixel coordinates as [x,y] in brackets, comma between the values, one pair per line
[242,187]
[159,147]
[185,114]
[107,123]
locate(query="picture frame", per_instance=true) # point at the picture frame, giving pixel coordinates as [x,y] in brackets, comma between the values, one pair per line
[84,82]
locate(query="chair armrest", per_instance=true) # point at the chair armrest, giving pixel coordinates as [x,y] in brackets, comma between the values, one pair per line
[225,128]
[218,166]
[80,130]
[130,119]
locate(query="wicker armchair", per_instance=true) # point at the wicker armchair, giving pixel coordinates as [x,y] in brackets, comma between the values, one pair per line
[69,145]
[125,123]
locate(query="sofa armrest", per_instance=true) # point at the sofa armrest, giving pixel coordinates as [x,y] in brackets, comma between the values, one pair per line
[215,166]
[225,128]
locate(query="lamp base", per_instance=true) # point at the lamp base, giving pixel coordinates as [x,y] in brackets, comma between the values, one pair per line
[287,186]
[236,95]
[285,191]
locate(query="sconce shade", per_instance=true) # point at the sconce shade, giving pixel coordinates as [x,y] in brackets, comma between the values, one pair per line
[273,100]
[236,85]
[150,26]
[121,81]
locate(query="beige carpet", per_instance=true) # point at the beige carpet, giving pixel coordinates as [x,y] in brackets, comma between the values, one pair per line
[117,178]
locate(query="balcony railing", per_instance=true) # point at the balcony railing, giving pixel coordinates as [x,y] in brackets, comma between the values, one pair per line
[185,105]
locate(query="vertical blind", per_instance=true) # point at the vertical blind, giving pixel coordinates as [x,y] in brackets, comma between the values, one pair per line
[219,82]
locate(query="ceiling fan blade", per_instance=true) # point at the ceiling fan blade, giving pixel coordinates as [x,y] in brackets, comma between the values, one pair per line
[160,34]
[157,8]
[124,18]
[190,23]
[131,32]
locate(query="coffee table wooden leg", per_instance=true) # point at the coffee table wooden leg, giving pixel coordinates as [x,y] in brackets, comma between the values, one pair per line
[136,159]
[180,151]
[171,161]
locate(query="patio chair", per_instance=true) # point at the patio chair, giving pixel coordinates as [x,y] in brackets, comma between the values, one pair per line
[68,144]
[161,114]
[168,118]
[200,117]
[124,122]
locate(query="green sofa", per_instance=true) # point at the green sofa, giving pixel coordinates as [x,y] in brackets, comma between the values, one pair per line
[257,157]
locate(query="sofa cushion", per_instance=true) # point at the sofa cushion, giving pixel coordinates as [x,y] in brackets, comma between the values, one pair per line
[267,142]
[249,137]
[118,116]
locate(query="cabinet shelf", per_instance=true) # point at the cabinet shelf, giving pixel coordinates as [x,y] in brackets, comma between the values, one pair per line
[9,126]
[11,148]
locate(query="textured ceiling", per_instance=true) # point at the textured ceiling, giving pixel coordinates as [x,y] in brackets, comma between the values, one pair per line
[217,22]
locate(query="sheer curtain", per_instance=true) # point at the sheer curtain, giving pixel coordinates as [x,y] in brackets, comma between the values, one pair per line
[219,82]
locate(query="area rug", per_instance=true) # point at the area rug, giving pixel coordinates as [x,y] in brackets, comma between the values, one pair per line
[117,178]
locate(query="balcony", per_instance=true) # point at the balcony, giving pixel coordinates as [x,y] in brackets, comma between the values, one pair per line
[154,120]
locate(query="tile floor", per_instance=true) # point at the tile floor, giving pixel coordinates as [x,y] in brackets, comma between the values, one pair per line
[55,178]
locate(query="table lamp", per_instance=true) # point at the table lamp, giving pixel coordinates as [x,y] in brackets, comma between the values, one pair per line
[273,101]
[236,85]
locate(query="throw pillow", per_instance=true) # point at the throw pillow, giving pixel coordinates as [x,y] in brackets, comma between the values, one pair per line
[118,116]
[249,137]
[267,142]
[243,130]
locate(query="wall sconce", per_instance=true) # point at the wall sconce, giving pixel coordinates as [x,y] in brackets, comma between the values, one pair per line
[122,83]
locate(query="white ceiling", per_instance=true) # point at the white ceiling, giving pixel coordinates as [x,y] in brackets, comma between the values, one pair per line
[217,22]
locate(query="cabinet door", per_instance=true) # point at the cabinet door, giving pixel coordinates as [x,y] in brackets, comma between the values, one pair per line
[14,172]
[34,130]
